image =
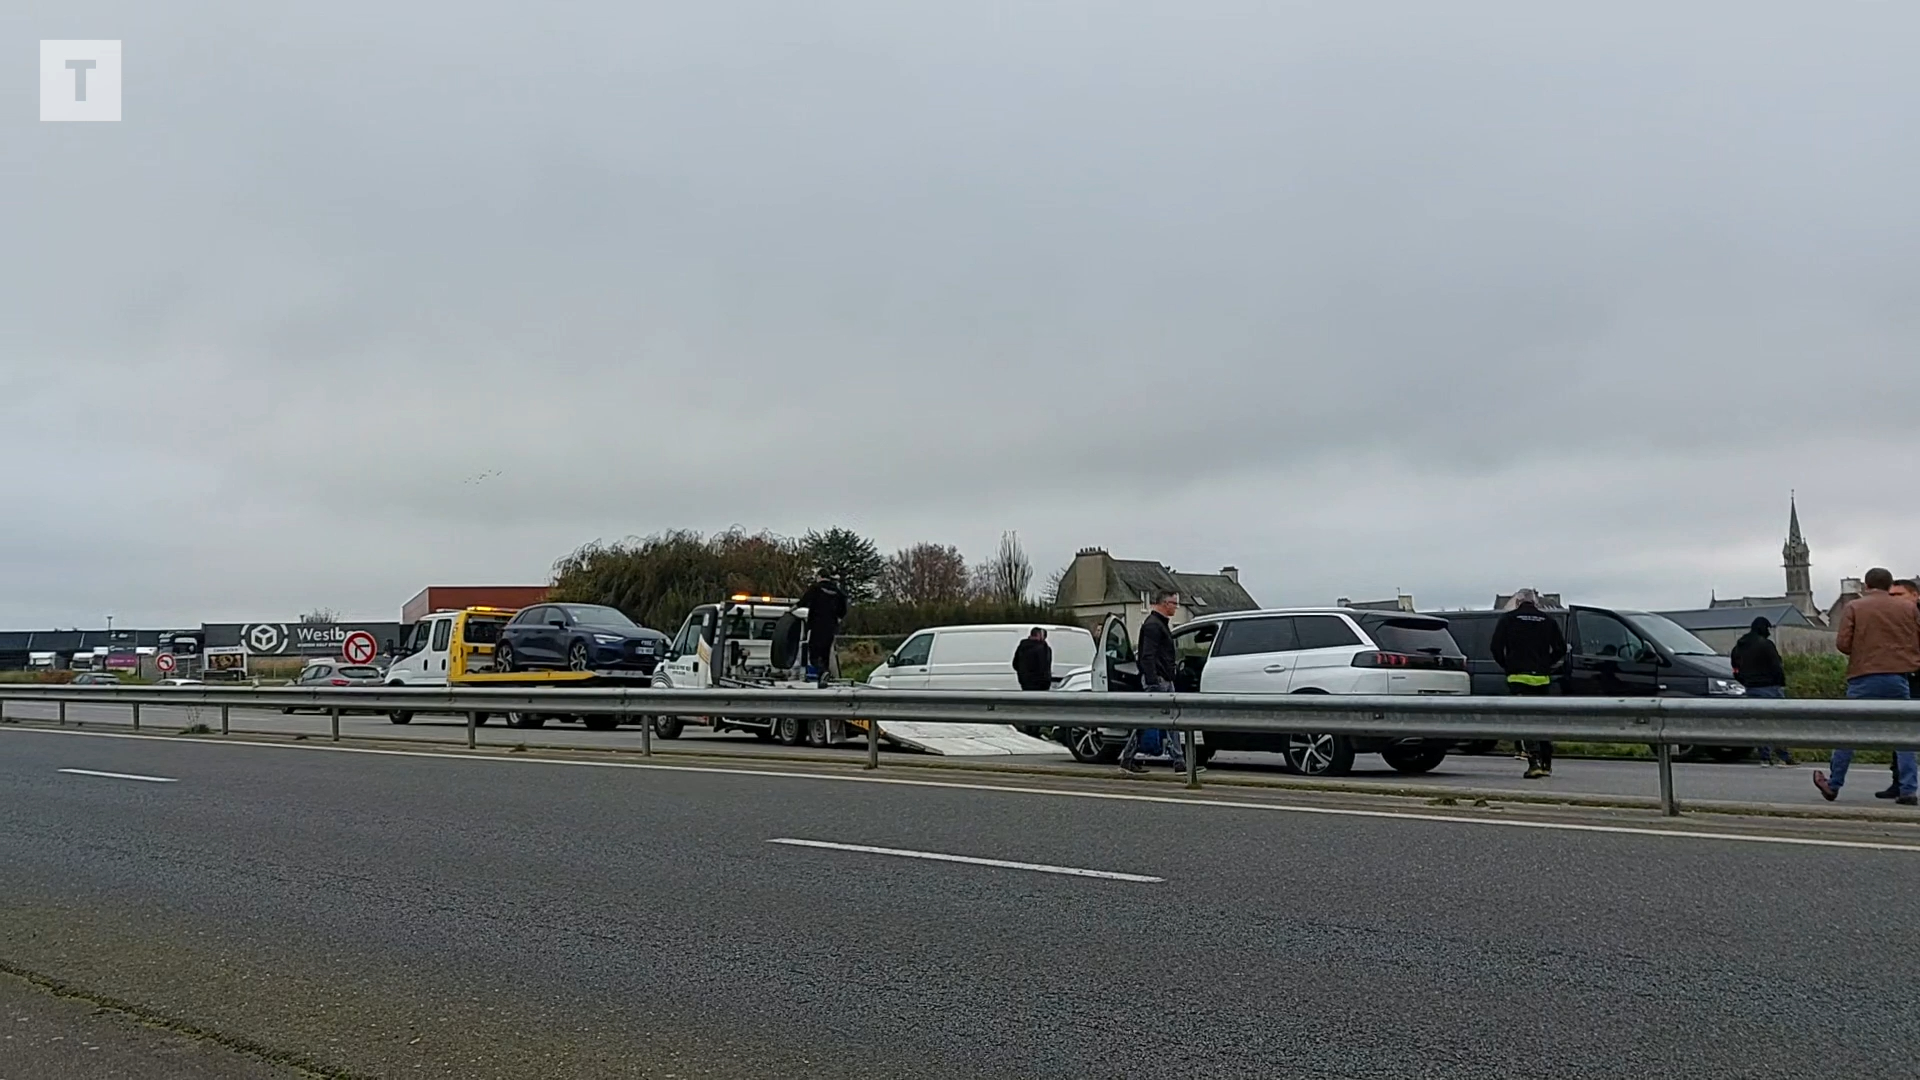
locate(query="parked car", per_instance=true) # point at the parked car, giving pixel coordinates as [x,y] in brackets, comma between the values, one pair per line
[320,673]
[1296,651]
[579,637]
[95,678]
[981,658]
[1612,653]
[180,682]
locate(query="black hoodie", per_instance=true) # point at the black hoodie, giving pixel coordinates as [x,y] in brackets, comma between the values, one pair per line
[1526,642]
[1755,660]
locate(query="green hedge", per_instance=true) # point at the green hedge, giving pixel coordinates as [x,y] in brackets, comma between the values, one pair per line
[1822,676]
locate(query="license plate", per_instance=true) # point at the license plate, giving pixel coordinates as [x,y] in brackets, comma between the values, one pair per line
[645,648]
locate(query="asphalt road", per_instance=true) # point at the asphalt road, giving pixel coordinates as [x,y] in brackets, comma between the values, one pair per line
[409,915]
[1745,782]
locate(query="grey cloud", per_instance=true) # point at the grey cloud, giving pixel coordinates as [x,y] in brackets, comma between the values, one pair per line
[1563,297]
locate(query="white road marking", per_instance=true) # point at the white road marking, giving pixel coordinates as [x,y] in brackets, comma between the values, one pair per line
[935,856]
[121,776]
[1110,796]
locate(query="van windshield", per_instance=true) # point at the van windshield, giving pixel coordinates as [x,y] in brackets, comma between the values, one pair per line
[1668,634]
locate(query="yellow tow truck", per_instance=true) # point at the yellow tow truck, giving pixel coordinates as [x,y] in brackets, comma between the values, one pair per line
[455,648]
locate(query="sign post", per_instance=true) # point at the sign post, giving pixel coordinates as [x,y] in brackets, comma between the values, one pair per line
[359,648]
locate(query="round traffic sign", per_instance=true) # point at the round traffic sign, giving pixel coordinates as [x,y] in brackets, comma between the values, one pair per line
[164,662]
[359,648]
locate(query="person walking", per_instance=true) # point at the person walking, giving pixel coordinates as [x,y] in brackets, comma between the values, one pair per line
[1756,663]
[1155,658]
[1880,633]
[1033,661]
[1904,589]
[826,604]
[1528,645]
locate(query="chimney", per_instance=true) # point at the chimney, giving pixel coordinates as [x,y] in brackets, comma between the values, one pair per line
[1345,601]
[1406,602]
[1231,573]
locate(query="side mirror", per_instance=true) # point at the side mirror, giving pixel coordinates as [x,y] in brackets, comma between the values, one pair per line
[893,660]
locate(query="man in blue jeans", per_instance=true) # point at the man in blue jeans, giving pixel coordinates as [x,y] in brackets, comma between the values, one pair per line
[1880,633]
[1155,657]
[1756,663]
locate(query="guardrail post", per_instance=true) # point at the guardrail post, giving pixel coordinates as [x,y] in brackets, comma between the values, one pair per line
[873,744]
[226,719]
[1668,806]
[1192,758]
[646,735]
[63,714]
[333,716]
[136,716]
[473,727]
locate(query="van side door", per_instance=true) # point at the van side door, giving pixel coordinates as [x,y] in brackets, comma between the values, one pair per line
[907,668]
[1608,658]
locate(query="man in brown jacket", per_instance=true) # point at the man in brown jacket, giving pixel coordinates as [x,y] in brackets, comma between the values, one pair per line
[1880,633]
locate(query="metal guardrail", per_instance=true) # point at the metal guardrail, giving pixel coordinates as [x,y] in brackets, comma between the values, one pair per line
[1660,722]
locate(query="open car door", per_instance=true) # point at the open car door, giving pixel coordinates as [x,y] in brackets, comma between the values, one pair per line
[1115,667]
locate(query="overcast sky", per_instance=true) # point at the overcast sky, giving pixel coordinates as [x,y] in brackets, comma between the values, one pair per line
[1448,298]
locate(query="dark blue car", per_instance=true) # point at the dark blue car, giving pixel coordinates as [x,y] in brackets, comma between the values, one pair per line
[579,637]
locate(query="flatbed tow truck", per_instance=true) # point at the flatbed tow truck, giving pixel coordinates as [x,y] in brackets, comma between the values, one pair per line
[455,648]
[760,644]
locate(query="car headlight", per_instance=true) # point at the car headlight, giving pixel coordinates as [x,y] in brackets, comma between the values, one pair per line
[608,639]
[1726,688]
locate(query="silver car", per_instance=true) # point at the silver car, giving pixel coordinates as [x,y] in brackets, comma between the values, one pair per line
[322,674]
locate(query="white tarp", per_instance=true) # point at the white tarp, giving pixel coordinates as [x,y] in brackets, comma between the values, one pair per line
[970,740]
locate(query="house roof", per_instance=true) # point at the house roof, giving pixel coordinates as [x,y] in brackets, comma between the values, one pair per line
[1737,618]
[1128,579]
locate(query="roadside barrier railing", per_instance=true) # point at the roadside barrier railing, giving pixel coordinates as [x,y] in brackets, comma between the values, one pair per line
[1662,723]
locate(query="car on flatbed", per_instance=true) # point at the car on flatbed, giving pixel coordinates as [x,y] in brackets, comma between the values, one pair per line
[577,637]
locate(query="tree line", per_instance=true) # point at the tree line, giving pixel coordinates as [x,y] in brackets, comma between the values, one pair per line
[657,579]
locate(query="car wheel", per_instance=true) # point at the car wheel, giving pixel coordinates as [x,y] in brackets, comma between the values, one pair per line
[817,733]
[668,727]
[1203,754]
[1319,755]
[600,721]
[400,717]
[577,658]
[288,711]
[1414,760]
[503,658]
[526,719]
[789,732]
[1730,754]
[479,718]
[1090,747]
[763,734]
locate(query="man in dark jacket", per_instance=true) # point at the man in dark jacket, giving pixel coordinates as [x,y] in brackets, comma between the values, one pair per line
[1155,658]
[1528,645]
[826,604]
[1033,661]
[1756,663]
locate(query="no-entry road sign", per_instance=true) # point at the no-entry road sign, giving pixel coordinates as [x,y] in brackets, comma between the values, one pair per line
[164,662]
[359,648]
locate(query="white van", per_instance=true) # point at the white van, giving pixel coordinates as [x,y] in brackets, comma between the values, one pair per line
[981,658]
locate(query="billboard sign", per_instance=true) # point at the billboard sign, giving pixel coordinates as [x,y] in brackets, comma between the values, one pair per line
[296,638]
[225,661]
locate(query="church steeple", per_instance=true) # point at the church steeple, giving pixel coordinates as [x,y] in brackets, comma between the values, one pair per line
[1798,560]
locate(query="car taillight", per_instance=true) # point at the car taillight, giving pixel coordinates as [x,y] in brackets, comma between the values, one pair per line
[1382,659]
[340,682]
[1410,660]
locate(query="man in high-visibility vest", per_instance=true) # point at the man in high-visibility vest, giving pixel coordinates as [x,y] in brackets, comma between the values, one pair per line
[1528,645]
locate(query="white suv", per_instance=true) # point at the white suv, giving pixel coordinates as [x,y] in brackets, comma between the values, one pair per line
[1300,651]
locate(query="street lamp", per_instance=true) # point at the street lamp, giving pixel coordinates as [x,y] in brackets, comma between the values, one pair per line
[109,627]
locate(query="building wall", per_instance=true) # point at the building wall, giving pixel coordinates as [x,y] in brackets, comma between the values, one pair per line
[452,597]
